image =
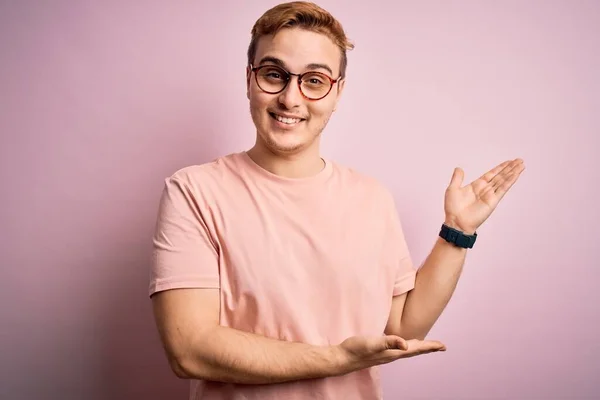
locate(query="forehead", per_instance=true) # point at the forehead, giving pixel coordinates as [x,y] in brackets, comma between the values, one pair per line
[298,48]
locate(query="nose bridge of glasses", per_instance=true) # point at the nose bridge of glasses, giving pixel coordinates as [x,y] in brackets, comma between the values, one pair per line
[290,87]
[290,74]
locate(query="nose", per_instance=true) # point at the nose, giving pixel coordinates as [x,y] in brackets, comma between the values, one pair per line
[291,96]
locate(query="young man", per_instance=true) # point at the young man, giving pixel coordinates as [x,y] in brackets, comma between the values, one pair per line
[278,274]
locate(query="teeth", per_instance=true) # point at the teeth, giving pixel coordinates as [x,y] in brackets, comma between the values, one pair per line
[288,121]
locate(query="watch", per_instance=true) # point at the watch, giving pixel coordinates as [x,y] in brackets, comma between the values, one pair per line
[457,238]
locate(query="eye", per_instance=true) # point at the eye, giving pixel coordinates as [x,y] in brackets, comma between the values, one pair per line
[273,74]
[315,80]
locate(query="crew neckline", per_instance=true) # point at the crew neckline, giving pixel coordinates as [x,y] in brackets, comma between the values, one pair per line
[322,175]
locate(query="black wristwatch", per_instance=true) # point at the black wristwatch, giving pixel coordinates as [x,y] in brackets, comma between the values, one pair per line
[457,238]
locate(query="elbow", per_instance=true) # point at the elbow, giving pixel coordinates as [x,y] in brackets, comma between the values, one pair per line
[184,367]
[193,367]
[187,362]
[180,367]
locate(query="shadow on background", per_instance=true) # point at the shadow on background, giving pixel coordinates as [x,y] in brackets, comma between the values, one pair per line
[134,365]
[99,105]
[76,318]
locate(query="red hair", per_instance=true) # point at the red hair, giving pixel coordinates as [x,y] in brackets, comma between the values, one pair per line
[304,15]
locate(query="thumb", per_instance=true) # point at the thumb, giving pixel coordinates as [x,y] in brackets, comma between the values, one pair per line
[395,343]
[457,178]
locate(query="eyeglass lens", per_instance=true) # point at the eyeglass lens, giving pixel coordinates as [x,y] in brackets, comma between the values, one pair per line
[273,79]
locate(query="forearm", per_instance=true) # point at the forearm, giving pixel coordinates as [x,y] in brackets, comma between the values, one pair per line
[435,283]
[229,355]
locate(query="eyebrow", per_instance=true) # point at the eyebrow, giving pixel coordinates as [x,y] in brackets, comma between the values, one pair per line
[280,63]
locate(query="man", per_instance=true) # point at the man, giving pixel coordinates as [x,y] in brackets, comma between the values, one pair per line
[279,274]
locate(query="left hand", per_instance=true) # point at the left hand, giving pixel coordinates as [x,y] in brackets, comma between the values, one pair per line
[468,207]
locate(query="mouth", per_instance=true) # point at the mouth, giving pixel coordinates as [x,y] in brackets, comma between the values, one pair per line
[286,120]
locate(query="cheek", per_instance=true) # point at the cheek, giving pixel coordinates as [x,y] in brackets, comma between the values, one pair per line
[258,101]
[320,111]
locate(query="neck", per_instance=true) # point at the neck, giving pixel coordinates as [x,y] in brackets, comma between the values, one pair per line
[304,164]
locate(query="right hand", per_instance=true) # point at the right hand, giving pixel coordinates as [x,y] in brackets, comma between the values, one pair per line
[360,352]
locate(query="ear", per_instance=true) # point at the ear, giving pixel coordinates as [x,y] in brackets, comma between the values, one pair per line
[340,88]
[248,76]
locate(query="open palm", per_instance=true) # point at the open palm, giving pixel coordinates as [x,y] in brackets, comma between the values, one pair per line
[468,207]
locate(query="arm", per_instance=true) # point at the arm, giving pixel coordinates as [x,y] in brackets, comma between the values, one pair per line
[198,348]
[434,286]
[413,314]
[184,283]
[184,290]
[466,208]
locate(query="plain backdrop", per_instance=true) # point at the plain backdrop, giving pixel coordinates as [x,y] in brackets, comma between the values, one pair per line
[100,101]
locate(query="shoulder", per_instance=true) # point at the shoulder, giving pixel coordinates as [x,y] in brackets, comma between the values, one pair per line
[205,182]
[359,182]
[214,171]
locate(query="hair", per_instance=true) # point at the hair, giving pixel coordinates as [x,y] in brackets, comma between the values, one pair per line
[304,15]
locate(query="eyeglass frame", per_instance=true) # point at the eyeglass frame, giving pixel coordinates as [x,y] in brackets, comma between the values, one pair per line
[289,78]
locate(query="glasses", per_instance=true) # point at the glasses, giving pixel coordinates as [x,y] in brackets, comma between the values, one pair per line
[273,79]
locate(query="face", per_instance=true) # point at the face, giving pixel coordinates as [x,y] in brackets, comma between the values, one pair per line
[297,51]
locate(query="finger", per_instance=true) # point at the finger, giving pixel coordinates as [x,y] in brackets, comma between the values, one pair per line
[505,186]
[392,342]
[488,176]
[431,345]
[425,345]
[418,347]
[496,180]
[505,174]
[457,178]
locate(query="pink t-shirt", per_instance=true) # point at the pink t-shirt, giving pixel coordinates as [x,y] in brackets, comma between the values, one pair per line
[314,260]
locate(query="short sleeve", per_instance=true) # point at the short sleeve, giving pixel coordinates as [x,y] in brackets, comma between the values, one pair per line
[398,253]
[184,255]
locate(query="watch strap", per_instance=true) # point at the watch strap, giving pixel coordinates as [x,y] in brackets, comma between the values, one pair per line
[457,237]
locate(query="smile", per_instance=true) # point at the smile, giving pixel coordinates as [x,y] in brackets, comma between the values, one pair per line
[285,120]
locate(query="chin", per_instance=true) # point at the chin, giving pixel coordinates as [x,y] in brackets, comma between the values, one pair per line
[280,144]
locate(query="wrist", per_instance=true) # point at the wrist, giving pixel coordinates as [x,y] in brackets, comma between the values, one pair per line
[451,223]
[458,237]
[337,360]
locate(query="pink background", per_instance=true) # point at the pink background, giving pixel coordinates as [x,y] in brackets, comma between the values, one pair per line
[99,101]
